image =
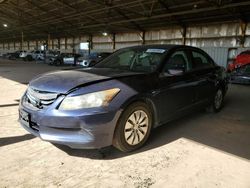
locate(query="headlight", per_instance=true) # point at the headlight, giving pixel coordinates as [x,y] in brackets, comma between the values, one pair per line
[90,100]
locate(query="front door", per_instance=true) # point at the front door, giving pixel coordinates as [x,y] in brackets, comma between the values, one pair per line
[176,87]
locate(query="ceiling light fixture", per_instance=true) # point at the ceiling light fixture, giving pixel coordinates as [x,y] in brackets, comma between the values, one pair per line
[104,33]
[5,25]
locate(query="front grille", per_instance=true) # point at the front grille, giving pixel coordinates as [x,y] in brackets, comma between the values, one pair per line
[39,99]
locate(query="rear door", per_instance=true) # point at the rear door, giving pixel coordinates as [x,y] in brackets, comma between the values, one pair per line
[204,71]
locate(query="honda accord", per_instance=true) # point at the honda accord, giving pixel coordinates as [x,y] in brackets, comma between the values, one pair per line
[122,98]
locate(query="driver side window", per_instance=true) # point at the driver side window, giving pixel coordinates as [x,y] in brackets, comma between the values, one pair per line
[177,64]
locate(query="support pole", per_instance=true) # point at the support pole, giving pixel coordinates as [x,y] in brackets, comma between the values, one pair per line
[113,42]
[52,44]
[73,45]
[184,32]
[48,47]
[22,40]
[90,43]
[143,37]
[243,26]
[66,44]
[59,44]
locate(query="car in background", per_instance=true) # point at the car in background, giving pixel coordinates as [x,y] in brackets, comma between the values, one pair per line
[38,55]
[241,75]
[64,59]
[22,54]
[6,55]
[14,55]
[27,56]
[122,98]
[242,59]
[92,59]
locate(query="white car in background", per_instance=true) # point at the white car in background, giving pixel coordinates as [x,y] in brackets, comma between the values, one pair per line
[26,55]
[92,59]
[38,55]
[23,54]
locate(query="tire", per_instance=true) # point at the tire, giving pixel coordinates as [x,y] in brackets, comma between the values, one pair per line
[217,102]
[133,127]
[57,63]
[29,58]
[92,63]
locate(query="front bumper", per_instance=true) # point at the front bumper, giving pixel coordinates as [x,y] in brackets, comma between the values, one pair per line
[92,128]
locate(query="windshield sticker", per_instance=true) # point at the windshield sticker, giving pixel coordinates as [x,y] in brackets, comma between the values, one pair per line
[156,51]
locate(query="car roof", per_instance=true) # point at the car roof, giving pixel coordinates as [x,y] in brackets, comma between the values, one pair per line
[162,46]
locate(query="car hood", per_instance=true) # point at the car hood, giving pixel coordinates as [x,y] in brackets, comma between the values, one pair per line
[66,80]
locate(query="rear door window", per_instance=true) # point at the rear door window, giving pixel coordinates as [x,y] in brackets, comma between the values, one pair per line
[201,61]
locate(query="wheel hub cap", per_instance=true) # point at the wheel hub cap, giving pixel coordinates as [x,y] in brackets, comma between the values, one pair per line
[218,99]
[136,127]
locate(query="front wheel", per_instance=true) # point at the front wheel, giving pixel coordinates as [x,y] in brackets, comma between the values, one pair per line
[217,103]
[133,127]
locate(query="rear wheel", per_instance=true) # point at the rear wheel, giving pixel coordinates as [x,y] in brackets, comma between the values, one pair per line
[133,128]
[217,103]
[57,63]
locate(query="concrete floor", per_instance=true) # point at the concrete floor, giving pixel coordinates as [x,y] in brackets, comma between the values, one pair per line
[201,150]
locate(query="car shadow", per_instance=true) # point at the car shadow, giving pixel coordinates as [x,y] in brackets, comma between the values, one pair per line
[8,105]
[15,139]
[220,131]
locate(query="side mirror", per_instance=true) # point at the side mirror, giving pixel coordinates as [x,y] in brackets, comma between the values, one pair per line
[172,72]
[176,71]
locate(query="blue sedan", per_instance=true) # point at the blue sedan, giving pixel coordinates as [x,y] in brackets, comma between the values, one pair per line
[119,100]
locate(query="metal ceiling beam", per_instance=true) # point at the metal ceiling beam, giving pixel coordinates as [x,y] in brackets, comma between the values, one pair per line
[38,29]
[94,11]
[54,21]
[44,10]
[62,2]
[126,17]
[219,3]
[120,12]
[164,4]
[185,12]
[126,22]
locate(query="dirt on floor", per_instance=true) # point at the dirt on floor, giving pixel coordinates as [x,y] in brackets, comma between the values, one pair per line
[200,150]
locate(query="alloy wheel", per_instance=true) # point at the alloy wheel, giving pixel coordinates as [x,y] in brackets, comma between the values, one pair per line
[218,99]
[136,127]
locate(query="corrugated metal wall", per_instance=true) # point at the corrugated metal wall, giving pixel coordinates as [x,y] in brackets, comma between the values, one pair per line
[216,39]
[219,55]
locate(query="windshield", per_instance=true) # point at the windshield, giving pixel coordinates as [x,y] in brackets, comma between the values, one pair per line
[137,59]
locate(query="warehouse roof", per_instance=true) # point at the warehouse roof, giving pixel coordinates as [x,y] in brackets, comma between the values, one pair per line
[36,19]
